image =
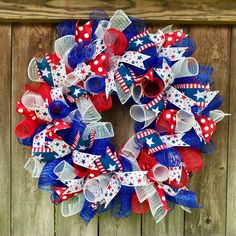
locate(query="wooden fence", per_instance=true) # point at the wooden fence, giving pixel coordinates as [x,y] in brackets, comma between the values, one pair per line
[25,211]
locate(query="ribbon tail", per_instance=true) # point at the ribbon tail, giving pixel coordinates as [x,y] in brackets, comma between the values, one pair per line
[112,189]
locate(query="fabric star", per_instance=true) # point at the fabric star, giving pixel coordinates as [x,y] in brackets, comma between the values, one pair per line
[45,72]
[111,167]
[76,92]
[200,95]
[138,42]
[149,142]
[128,77]
[156,110]
[82,147]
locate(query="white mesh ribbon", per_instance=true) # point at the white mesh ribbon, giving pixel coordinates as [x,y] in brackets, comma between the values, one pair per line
[144,192]
[103,25]
[87,110]
[134,178]
[156,207]
[185,67]
[160,172]
[63,45]
[187,209]
[30,100]
[217,115]
[64,171]
[140,114]
[94,189]
[137,92]
[73,205]
[130,150]
[71,79]
[168,29]
[33,72]
[120,20]
[102,130]
[184,121]
[105,187]
[123,97]
[34,166]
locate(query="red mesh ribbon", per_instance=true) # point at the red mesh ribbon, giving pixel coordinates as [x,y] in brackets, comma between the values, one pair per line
[137,206]
[26,128]
[166,122]
[152,88]
[101,102]
[115,41]
[191,158]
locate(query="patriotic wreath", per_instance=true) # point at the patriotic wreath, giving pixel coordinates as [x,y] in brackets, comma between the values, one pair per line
[174,110]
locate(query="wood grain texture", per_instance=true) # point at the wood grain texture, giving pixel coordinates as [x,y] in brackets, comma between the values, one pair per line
[74,226]
[187,11]
[5,128]
[231,181]
[172,224]
[213,49]
[32,211]
[123,128]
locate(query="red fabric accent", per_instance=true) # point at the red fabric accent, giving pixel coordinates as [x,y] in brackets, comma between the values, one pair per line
[171,38]
[100,64]
[63,197]
[58,125]
[149,75]
[80,171]
[183,181]
[191,158]
[115,41]
[26,128]
[93,173]
[22,110]
[208,126]
[101,102]
[52,59]
[83,33]
[43,89]
[152,88]
[145,161]
[166,122]
[137,206]
[162,196]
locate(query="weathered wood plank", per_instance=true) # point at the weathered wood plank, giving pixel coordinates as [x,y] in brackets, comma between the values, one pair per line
[174,221]
[123,129]
[5,128]
[231,183]
[71,226]
[213,48]
[173,224]
[32,211]
[187,11]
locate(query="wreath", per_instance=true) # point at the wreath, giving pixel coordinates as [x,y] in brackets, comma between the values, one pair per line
[174,109]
